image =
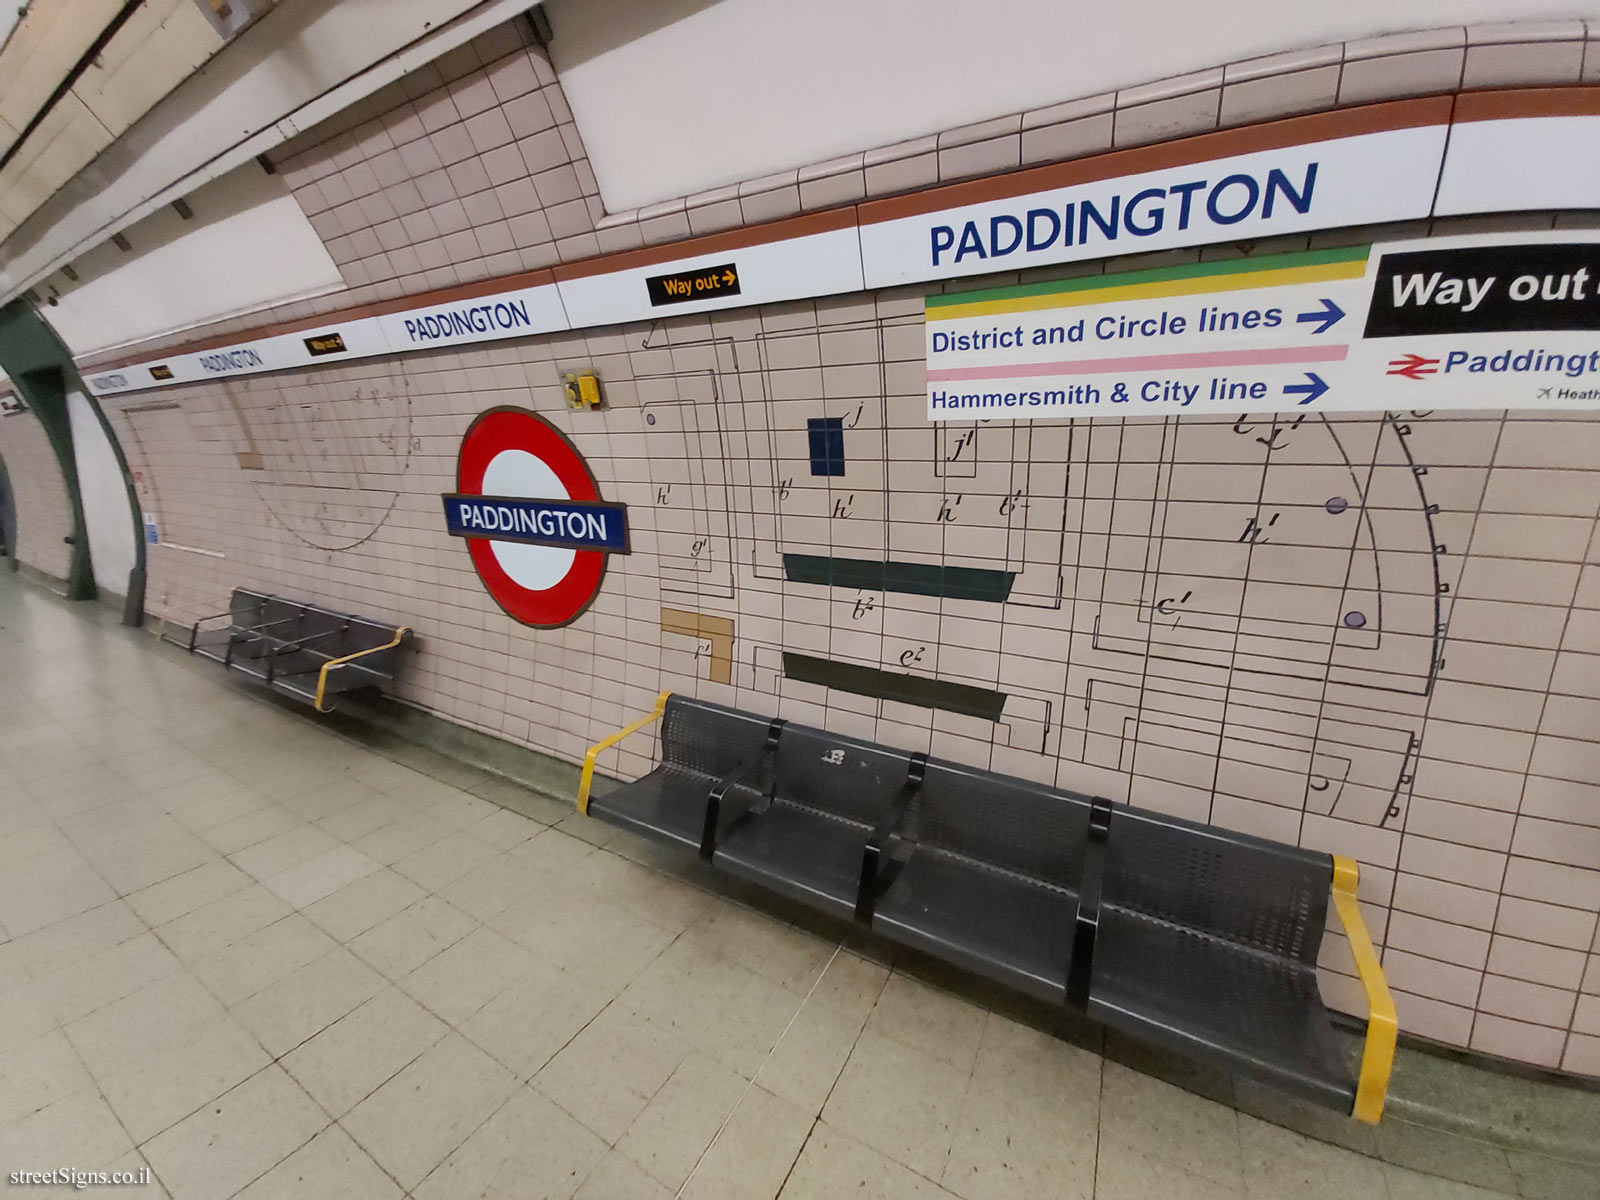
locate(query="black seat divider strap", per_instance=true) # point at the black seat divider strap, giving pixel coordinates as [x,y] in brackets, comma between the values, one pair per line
[1087,924]
[708,833]
[872,853]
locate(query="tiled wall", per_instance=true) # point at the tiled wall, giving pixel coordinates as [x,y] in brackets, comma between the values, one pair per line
[44,512]
[467,168]
[1462,767]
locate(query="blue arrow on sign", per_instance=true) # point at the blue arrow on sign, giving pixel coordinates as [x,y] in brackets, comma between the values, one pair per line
[1312,390]
[1329,316]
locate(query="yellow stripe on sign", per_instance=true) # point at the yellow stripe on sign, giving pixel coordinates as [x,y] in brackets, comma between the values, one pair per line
[1280,277]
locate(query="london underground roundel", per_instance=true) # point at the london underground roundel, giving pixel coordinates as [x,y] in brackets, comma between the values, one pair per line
[531,514]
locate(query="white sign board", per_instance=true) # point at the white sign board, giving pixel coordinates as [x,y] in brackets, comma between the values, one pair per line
[1358,180]
[1482,322]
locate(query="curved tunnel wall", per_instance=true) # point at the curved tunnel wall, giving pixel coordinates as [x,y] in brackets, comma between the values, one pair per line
[43,509]
[1461,766]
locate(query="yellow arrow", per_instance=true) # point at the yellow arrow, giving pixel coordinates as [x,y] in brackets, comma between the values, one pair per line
[729,277]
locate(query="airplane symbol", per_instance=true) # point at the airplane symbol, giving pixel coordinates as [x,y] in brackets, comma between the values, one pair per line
[1413,366]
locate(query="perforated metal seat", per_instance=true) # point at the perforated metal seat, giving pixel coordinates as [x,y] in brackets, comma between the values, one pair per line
[701,743]
[1208,943]
[807,840]
[996,924]
[992,878]
[1218,1001]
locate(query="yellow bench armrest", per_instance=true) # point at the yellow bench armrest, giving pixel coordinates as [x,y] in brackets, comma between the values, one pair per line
[322,675]
[587,778]
[1377,1059]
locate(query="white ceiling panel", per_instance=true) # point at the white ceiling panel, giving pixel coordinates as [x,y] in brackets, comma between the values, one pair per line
[46,45]
[298,65]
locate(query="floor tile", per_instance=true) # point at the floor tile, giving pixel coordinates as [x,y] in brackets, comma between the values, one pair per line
[717,1005]
[929,1020]
[328,1167]
[851,984]
[237,1137]
[400,944]
[807,1060]
[442,861]
[306,883]
[1414,1185]
[357,907]
[900,1101]
[599,942]
[463,977]
[160,1088]
[754,1153]
[529,1148]
[400,838]
[183,893]
[364,1049]
[263,957]
[489,889]
[676,1126]
[1125,1174]
[78,1130]
[365,816]
[618,1177]
[68,943]
[418,1118]
[298,844]
[249,828]
[524,1026]
[608,1073]
[659,899]
[100,979]
[25,1009]
[213,926]
[834,1164]
[302,1004]
[149,1018]
[503,829]
[1280,1163]
[1159,1121]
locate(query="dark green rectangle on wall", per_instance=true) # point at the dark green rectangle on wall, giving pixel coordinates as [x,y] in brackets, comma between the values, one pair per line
[919,579]
[890,685]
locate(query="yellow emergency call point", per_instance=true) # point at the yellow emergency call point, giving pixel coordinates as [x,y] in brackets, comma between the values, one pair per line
[583,389]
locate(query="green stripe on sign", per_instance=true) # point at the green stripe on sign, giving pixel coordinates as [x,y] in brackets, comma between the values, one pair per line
[1235,266]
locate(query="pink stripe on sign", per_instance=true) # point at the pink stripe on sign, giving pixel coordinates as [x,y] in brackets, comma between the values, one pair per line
[1148,362]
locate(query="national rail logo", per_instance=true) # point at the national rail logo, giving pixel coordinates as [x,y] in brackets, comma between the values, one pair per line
[531,513]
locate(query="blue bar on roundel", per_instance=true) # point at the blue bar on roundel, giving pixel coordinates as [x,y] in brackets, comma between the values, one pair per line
[580,524]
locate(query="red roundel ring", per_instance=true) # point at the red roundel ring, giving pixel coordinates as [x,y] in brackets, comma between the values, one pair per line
[498,442]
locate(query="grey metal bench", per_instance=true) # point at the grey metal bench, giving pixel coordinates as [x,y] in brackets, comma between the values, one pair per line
[992,879]
[298,649]
[1198,938]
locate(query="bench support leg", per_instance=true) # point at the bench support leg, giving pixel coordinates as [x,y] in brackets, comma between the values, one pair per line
[1087,925]
[719,790]
[872,854]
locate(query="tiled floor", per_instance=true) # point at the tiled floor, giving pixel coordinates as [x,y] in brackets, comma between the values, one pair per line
[270,962]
